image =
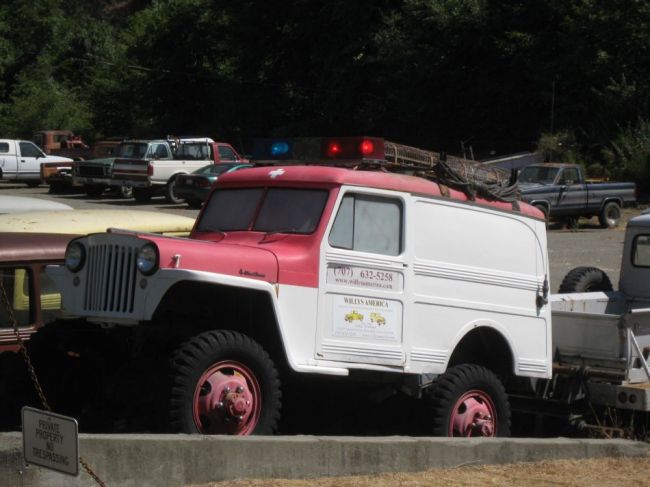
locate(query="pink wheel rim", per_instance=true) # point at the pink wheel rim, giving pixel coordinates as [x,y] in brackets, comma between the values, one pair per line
[227,400]
[473,414]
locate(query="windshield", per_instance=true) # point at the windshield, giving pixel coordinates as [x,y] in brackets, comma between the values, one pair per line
[132,150]
[282,210]
[538,174]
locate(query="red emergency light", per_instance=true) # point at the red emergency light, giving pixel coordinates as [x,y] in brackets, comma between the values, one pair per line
[354,148]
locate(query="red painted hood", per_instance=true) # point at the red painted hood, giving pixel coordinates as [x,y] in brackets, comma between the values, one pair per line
[233,259]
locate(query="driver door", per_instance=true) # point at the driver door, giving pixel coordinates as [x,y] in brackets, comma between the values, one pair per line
[362,304]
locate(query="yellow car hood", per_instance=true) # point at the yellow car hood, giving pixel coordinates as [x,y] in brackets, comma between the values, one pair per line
[82,222]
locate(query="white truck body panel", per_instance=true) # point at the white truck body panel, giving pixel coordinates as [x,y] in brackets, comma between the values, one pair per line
[442,286]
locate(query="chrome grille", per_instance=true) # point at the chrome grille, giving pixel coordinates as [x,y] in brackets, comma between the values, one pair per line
[110,278]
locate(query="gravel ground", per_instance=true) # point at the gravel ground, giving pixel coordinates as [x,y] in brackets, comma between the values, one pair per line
[569,473]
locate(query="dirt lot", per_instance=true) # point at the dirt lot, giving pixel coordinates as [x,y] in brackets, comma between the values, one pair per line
[570,473]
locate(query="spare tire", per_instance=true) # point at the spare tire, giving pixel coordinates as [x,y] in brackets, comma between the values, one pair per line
[585,280]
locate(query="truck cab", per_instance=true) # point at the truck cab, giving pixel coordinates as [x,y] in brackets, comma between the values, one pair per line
[560,191]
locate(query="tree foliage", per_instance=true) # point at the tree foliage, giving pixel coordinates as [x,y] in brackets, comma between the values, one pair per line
[435,73]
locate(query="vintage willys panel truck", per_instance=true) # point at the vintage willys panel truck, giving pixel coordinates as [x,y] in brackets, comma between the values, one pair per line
[283,255]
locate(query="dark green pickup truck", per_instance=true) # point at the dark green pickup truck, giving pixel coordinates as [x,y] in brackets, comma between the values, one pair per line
[561,191]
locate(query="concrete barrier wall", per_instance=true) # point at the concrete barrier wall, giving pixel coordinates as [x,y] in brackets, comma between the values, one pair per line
[176,460]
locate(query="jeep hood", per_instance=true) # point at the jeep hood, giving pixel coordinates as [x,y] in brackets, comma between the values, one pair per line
[234,259]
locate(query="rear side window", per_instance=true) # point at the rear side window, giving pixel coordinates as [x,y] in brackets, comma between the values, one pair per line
[368,224]
[226,154]
[4,147]
[641,251]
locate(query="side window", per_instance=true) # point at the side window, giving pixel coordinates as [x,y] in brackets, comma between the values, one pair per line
[4,147]
[569,176]
[27,149]
[641,251]
[368,224]
[226,153]
[16,284]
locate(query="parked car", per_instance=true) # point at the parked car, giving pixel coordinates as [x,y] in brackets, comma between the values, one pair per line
[560,191]
[194,188]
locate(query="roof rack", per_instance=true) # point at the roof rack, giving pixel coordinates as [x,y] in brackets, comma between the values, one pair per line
[372,153]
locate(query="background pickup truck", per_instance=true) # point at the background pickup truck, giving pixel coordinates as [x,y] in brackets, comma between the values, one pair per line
[560,191]
[156,172]
[21,160]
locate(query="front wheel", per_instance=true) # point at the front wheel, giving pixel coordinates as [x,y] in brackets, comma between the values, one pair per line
[610,215]
[469,400]
[223,382]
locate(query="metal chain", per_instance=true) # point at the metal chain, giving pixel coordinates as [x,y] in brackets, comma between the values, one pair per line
[32,373]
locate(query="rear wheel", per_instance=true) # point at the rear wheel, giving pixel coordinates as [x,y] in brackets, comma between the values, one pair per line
[170,192]
[469,400]
[585,280]
[610,215]
[142,195]
[223,382]
[126,191]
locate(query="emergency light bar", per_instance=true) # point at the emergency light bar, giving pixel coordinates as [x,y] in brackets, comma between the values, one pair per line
[342,151]
[377,153]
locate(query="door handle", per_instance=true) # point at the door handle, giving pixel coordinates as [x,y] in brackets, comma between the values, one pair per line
[22,160]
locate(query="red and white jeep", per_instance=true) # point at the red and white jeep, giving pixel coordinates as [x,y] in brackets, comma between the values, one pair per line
[333,271]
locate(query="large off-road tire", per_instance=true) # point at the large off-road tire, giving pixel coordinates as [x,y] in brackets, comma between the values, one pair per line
[223,382]
[610,215]
[585,280]
[469,400]
[170,192]
[142,195]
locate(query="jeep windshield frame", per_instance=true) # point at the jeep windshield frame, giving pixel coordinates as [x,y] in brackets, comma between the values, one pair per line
[264,209]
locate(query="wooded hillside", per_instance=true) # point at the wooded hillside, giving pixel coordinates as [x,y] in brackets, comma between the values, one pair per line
[500,76]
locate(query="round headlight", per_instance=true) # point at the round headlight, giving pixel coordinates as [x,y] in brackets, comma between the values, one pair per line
[147,260]
[75,256]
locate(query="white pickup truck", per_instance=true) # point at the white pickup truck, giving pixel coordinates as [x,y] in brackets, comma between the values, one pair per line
[20,161]
[156,172]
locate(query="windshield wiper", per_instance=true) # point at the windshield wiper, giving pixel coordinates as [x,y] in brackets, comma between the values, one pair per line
[268,234]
